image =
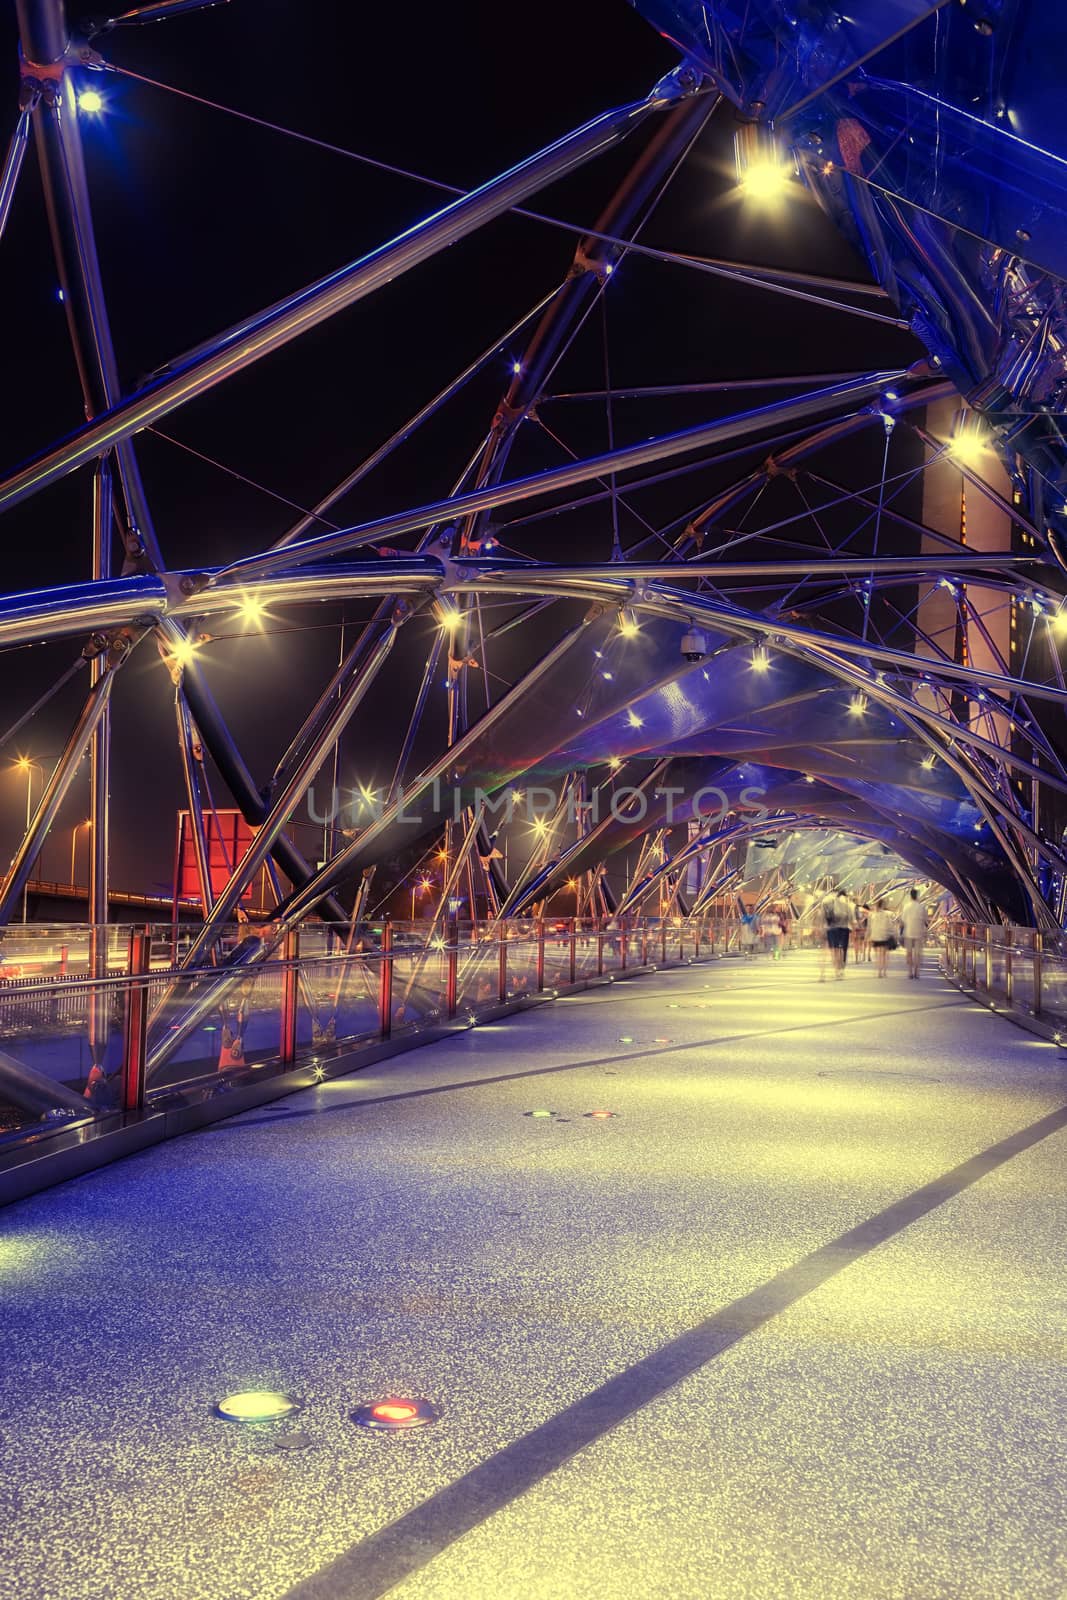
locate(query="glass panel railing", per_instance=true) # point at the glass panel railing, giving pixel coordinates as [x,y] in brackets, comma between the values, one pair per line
[144,1032]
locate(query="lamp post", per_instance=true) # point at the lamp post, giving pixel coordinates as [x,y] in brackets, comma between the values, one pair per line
[74,845]
[24,764]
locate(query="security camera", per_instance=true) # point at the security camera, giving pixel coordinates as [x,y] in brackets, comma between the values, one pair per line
[694,645]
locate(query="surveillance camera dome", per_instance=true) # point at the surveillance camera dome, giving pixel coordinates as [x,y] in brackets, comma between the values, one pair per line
[694,645]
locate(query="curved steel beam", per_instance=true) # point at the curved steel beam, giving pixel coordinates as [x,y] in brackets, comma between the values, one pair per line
[705,436]
[268,330]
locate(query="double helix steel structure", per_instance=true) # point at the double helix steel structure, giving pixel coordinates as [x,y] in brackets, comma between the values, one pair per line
[784,657]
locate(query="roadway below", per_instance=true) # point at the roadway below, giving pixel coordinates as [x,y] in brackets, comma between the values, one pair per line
[789,1323]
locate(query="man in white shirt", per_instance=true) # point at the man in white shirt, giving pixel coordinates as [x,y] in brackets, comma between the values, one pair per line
[913,932]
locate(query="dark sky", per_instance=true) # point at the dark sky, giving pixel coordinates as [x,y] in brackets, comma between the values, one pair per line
[202,219]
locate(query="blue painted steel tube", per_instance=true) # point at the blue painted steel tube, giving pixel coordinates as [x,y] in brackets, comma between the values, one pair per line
[276,325]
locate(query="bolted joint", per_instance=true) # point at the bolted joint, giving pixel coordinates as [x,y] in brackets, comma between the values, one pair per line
[94,646]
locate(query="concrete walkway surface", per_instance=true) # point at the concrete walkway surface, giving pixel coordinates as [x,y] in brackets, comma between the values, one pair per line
[788,1323]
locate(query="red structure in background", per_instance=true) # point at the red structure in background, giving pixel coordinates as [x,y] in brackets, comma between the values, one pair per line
[228,839]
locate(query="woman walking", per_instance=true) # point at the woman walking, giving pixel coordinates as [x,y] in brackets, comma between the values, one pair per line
[880,933]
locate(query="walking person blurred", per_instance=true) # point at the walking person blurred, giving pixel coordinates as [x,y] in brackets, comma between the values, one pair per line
[860,937]
[838,918]
[913,932]
[748,935]
[771,930]
[880,933]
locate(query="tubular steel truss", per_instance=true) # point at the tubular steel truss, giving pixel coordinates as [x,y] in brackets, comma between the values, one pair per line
[858,667]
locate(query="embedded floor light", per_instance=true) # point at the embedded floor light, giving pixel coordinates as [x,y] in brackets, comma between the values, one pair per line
[600,1116]
[256,1405]
[396,1413]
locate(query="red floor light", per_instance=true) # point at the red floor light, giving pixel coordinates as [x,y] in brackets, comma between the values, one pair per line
[395,1413]
[600,1115]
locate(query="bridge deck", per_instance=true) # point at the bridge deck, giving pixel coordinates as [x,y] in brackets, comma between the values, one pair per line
[789,1324]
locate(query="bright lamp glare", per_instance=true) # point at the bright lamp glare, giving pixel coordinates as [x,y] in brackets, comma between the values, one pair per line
[182,651]
[761,661]
[857,706]
[1058,622]
[968,449]
[450,619]
[251,610]
[90,100]
[765,180]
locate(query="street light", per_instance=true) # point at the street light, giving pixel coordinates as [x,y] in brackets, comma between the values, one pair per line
[24,764]
[74,845]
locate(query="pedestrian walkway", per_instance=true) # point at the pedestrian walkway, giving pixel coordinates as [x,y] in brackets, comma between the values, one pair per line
[787,1323]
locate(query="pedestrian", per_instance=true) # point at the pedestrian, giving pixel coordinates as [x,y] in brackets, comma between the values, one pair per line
[838,920]
[913,932]
[880,933]
[860,936]
[748,935]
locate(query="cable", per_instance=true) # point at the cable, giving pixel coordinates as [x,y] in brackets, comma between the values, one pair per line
[64,678]
[670,256]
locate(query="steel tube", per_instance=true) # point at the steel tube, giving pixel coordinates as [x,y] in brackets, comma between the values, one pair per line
[301,776]
[32,1091]
[45,35]
[100,749]
[272,328]
[239,780]
[100,779]
[158,11]
[307,897]
[54,794]
[192,795]
[403,433]
[705,436]
[9,173]
[592,259]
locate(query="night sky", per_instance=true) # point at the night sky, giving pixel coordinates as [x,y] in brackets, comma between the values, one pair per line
[202,219]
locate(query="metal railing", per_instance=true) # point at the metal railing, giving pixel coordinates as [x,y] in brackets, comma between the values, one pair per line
[1013,966]
[148,1034]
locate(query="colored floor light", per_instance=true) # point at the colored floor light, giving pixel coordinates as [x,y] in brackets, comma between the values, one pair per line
[539,1113]
[396,1413]
[255,1405]
[626,1038]
[600,1116]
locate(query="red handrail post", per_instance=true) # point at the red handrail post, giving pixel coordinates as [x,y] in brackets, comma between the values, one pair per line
[452,980]
[385,983]
[290,993]
[135,1022]
[502,965]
